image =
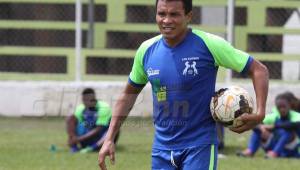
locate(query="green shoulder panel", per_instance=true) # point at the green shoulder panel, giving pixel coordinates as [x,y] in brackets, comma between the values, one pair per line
[137,74]
[270,119]
[294,116]
[104,114]
[223,53]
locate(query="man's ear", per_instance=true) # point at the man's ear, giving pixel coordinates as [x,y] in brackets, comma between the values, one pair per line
[189,16]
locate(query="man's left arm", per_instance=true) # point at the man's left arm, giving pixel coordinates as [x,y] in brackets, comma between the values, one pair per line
[90,134]
[260,78]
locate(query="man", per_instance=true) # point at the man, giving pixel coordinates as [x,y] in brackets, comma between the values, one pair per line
[278,133]
[87,127]
[181,64]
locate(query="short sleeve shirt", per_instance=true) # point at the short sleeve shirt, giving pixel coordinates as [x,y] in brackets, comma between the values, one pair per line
[183,82]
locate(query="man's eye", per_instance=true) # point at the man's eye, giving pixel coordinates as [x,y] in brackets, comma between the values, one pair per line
[174,14]
[161,13]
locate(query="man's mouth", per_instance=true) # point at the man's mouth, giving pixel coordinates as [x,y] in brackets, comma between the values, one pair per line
[167,28]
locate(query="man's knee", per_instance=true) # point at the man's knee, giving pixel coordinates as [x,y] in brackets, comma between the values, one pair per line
[257,130]
[284,133]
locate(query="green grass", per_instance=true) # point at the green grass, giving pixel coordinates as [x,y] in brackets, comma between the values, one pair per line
[25,143]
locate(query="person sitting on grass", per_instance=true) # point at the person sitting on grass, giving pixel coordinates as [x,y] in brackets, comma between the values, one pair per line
[278,135]
[87,127]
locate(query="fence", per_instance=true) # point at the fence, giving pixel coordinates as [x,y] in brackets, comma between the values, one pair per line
[38,37]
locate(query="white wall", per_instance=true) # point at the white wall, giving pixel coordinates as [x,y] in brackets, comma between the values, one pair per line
[60,98]
[291,44]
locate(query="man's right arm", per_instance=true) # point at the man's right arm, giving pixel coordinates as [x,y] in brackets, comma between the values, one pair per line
[71,129]
[121,110]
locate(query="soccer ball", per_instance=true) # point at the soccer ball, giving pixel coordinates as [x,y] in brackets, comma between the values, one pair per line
[229,103]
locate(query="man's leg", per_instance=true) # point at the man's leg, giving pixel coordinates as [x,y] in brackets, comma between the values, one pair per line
[163,160]
[257,139]
[201,158]
[71,126]
[254,141]
[283,138]
[81,130]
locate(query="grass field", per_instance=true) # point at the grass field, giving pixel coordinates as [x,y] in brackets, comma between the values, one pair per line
[25,143]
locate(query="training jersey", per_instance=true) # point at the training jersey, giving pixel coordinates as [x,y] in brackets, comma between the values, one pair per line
[183,82]
[100,116]
[270,119]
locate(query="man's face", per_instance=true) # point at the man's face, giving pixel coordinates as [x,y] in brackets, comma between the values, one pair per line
[283,107]
[172,20]
[89,101]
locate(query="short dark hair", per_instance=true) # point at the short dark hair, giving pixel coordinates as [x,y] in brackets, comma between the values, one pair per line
[282,96]
[187,5]
[88,91]
[290,96]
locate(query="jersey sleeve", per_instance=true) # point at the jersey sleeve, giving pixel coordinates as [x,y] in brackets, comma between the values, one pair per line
[138,77]
[226,55]
[295,116]
[78,112]
[270,119]
[104,114]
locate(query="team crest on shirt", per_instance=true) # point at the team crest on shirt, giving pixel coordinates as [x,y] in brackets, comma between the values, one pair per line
[190,66]
[152,72]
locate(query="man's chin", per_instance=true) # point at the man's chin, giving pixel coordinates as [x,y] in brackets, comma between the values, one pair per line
[168,36]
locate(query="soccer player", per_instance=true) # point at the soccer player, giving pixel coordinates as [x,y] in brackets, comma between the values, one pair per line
[181,65]
[87,127]
[278,133]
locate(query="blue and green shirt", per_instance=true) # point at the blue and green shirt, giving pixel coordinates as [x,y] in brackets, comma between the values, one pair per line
[183,81]
[270,119]
[91,118]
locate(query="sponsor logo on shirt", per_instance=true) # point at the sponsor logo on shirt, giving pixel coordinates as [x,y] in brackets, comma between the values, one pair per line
[152,72]
[190,66]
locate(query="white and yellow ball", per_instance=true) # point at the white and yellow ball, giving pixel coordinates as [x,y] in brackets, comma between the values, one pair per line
[229,103]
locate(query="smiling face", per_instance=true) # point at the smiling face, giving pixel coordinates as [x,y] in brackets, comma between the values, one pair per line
[172,20]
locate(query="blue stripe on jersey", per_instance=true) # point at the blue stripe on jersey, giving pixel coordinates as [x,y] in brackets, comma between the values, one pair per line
[135,84]
[247,67]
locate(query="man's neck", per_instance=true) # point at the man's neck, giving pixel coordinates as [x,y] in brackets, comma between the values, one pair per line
[173,43]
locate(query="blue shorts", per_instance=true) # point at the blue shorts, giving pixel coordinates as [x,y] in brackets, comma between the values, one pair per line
[198,158]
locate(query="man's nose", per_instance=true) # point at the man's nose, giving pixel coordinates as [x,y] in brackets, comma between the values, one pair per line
[167,20]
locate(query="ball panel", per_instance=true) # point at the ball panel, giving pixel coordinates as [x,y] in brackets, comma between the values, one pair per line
[230,103]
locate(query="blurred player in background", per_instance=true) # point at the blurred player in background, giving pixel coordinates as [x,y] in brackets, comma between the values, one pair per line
[181,64]
[279,134]
[87,127]
[293,100]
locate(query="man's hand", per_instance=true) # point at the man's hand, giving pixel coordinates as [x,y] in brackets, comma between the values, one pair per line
[249,121]
[107,149]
